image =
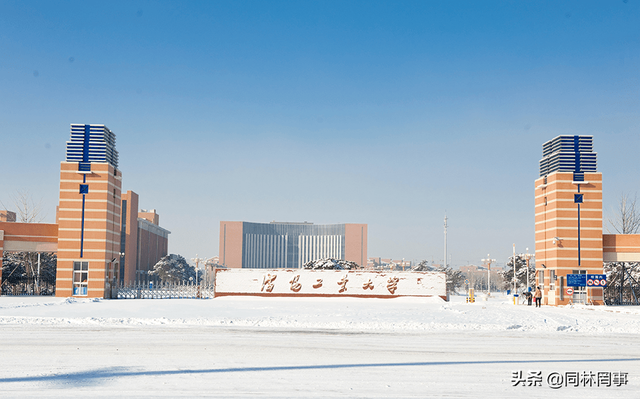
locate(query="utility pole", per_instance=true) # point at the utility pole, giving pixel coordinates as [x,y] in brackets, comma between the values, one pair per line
[445,240]
[488,262]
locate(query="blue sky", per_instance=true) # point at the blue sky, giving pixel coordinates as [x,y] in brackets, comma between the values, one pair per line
[385,113]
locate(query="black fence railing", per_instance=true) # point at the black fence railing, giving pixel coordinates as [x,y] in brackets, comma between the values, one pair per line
[28,287]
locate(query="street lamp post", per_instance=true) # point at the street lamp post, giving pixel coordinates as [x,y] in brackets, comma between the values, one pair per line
[197,260]
[488,261]
[207,262]
[527,257]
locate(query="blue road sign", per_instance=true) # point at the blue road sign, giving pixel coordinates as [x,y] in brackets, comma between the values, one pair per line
[576,280]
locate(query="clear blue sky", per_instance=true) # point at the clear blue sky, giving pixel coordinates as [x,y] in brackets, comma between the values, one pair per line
[379,112]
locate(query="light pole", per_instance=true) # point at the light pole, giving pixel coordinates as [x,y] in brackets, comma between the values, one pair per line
[208,263]
[527,257]
[197,260]
[488,261]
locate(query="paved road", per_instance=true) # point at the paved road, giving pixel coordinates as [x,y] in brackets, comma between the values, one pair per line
[172,361]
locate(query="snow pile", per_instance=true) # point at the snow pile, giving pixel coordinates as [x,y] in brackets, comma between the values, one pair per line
[332,264]
[423,267]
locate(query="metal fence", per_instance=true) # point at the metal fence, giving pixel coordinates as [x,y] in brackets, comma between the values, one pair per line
[164,291]
[28,288]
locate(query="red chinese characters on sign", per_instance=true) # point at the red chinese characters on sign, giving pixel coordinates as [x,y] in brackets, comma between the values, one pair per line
[318,284]
[267,281]
[392,284]
[343,284]
[295,285]
[367,285]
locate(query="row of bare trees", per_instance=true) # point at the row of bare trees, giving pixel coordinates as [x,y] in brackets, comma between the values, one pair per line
[28,273]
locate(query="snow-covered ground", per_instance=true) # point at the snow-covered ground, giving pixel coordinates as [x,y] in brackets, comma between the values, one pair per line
[312,347]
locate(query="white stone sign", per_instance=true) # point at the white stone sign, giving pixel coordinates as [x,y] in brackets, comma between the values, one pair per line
[302,282]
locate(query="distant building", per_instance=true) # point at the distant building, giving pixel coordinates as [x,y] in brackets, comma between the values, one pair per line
[472,269]
[388,263]
[478,277]
[7,216]
[289,245]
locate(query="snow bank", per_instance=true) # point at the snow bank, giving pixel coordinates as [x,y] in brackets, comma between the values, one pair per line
[349,314]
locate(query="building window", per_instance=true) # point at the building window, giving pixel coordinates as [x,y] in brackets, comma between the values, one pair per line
[80,277]
[541,279]
[552,280]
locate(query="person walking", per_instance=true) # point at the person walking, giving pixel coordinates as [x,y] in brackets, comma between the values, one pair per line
[538,297]
[529,297]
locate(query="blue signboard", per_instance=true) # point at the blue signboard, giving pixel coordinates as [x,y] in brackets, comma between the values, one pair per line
[576,280]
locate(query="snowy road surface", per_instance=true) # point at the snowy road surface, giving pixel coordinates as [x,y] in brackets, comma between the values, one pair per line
[311,347]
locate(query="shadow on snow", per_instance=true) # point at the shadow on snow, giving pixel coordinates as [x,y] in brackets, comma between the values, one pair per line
[93,377]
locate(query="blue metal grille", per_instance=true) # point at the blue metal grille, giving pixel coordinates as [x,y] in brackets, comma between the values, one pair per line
[92,143]
[569,154]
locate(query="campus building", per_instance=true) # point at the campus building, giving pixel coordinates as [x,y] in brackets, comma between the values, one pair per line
[142,241]
[568,222]
[289,245]
[99,236]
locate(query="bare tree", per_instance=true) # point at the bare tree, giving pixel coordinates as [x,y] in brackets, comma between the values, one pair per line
[622,282]
[627,217]
[22,275]
[27,210]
